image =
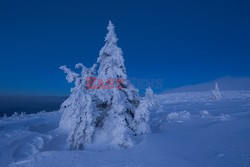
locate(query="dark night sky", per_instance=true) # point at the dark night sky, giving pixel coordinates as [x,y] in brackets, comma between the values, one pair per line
[182,41]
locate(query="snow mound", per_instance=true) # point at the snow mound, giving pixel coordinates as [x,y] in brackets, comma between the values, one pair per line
[27,149]
[205,114]
[178,116]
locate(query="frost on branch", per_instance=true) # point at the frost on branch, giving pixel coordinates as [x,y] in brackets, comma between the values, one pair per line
[71,76]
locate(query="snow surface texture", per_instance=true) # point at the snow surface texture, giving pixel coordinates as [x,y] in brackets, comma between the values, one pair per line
[190,129]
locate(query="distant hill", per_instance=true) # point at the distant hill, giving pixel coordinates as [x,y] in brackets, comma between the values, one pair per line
[225,83]
[29,104]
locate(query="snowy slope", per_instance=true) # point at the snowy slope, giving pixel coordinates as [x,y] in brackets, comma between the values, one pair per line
[225,83]
[189,129]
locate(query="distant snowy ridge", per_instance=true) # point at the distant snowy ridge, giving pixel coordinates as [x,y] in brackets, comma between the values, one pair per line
[167,98]
[205,96]
[225,83]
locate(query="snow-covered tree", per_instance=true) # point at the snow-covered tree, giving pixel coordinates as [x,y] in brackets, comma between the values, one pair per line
[216,95]
[140,122]
[119,103]
[72,104]
[150,98]
[113,105]
[78,110]
[83,130]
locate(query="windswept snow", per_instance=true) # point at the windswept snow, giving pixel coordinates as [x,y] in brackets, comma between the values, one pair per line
[189,129]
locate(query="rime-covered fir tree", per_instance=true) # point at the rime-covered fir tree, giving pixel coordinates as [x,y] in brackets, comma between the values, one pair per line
[216,95]
[150,97]
[68,107]
[112,105]
[119,103]
[140,122]
[83,129]
[78,110]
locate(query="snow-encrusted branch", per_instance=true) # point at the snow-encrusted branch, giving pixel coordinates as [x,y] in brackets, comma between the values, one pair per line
[71,76]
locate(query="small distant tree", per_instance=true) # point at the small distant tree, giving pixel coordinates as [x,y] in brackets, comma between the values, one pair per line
[216,94]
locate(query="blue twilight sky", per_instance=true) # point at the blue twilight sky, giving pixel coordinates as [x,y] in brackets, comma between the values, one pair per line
[181,41]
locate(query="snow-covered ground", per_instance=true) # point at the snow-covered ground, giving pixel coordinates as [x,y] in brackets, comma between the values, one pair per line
[189,129]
